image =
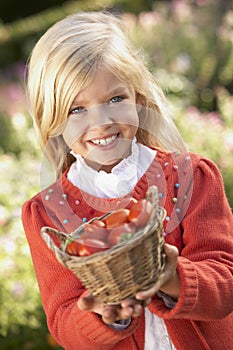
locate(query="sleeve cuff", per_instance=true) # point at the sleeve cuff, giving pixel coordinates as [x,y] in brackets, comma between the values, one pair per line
[121,325]
[168,301]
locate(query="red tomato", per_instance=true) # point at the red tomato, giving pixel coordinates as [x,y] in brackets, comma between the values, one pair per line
[117,218]
[116,234]
[97,223]
[126,203]
[95,245]
[85,247]
[95,230]
[77,248]
[140,212]
[98,233]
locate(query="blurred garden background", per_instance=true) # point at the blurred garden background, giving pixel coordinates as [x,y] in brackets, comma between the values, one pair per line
[189,46]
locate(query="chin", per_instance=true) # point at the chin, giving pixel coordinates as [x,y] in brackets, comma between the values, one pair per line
[108,167]
[105,166]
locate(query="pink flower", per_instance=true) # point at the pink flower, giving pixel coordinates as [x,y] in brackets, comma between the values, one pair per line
[147,20]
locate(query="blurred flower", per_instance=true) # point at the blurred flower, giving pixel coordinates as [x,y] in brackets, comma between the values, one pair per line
[215,119]
[7,265]
[12,98]
[193,112]
[18,289]
[202,2]
[229,18]
[228,141]
[7,244]
[148,20]
[181,9]
[225,31]
[211,119]
[19,121]
[182,63]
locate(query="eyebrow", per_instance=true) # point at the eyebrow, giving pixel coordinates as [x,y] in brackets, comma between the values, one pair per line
[120,89]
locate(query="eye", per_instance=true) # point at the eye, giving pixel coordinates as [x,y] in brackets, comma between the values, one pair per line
[116,99]
[77,110]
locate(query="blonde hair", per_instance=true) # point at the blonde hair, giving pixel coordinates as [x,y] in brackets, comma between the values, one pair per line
[65,60]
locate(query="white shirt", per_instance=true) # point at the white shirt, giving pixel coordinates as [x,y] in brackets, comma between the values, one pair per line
[118,183]
[122,178]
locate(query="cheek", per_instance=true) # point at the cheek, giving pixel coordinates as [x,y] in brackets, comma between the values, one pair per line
[132,121]
[128,115]
[74,129]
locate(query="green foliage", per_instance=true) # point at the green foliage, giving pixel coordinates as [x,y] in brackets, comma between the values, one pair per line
[26,337]
[16,135]
[18,38]
[22,320]
[191,43]
[135,6]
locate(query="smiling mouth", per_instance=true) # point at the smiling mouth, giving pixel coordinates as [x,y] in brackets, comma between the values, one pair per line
[104,141]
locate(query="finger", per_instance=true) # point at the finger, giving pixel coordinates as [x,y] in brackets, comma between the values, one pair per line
[129,302]
[146,295]
[109,314]
[171,254]
[132,301]
[137,310]
[130,311]
[86,301]
[126,312]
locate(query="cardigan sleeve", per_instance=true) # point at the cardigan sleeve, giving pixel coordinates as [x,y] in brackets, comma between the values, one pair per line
[60,289]
[205,264]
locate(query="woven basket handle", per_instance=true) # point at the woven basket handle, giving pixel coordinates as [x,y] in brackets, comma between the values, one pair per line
[56,241]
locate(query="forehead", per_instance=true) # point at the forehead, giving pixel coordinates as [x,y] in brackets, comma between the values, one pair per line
[104,83]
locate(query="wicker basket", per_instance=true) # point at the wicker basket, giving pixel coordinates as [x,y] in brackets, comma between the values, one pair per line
[123,270]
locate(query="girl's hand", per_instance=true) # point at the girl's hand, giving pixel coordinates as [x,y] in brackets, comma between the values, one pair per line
[112,313]
[168,282]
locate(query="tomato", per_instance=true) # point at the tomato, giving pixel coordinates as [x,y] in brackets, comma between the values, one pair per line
[97,231]
[117,233]
[101,234]
[117,218]
[140,212]
[126,203]
[95,245]
[97,223]
[85,247]
[77,248]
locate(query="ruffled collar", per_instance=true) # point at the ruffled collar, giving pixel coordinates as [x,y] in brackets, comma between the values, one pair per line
[122,178]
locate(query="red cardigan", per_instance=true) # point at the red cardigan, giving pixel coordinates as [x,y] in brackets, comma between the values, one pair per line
[199,222]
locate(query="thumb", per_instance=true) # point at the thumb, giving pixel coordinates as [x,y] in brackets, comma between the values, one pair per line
[171,253]
[86,301]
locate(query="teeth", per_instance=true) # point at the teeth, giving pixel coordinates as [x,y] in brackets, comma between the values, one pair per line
[104,142]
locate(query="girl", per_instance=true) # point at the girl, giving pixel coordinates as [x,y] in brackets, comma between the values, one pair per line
[103,122]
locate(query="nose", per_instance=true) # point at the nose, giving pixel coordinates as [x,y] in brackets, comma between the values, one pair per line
[99,116]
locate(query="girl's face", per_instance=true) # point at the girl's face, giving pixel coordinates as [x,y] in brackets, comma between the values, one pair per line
[103,121]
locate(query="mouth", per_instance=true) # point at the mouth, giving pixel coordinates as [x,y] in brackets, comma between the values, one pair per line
[105,141]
